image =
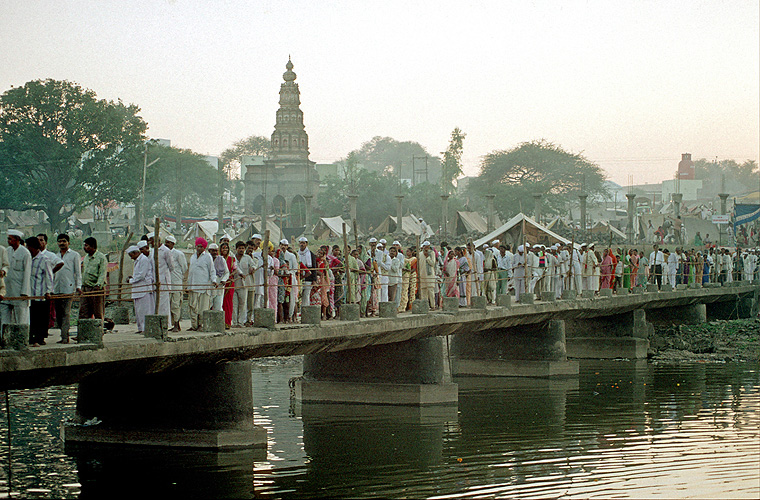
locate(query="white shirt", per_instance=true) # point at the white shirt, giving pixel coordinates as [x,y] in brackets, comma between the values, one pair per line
[394,273]
[180,268]
[290,258]
[69,277]
[244,266]
[54,259]
[201,274]
[18,280]
[165,264]
[656,260]
[142,277]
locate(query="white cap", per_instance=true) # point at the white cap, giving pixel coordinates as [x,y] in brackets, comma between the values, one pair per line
[284,241]
[213,246]
[133,248]
[495,242]
[171,239]
[16,233]
[520,248]
[485,245]
[142,243]
[420,219]
[373,240]
[426,243]
[225,237]
[150,234]
[382,240]
[257,236]
[303,239]
[396,243]
[591,245]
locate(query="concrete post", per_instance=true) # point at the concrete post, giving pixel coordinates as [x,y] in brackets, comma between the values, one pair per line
[90,331]
[444,216]
[630,230]
[583,198]
[536,350]
[15,336]
[677,199]
[537,207]
[198,406]
[491,214]
[412,373]
[309,231]
[723,197]
[352,206]
[399,216]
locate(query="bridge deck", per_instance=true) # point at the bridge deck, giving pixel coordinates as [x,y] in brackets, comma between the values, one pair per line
[124,351]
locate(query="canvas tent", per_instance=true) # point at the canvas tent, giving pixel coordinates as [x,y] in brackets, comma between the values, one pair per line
[274,231]
[511,233]
[410,225]
[602,230]
[162,232]
[331,227]
[205,229]
[469,222]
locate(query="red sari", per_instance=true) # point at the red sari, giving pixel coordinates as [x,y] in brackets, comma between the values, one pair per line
[229,291]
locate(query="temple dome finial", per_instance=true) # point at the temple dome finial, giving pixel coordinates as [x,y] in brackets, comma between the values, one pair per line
[289,76]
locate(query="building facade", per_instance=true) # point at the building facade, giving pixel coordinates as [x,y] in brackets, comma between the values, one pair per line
[286,183]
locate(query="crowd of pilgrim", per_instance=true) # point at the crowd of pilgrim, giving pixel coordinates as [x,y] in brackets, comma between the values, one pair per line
[37,286]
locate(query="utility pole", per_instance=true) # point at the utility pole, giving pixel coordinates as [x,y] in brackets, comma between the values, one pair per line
[140,229]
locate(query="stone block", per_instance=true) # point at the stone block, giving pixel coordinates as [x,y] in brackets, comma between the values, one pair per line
[451,305]
[623,291]
[420,307]
[213,321]
[264,318]
[388,310]
[682,286]
[349,312]
[548,296]
[156,326]
[121,316]
[638,290]
[311,315]
[569,294]
[478,302]
[90,331]
[605,292]
[666,287]
[504,300]
[15,336]
[587,294]
[527,298]
[652,288]
[695,285]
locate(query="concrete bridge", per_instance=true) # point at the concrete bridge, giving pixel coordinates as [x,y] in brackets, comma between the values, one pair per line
[194,390]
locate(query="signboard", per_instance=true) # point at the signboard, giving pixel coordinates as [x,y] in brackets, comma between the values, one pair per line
[721,219]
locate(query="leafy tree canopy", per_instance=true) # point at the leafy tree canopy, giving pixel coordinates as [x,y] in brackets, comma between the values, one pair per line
[385,154]
[452,161]
[537,167]
[61,148]
[255,145]
[728,175]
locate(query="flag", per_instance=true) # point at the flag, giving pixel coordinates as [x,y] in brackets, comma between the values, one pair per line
[745,213]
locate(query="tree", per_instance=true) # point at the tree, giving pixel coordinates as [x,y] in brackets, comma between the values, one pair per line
[452,161]
[385,154]
[537,167]
[61,148]
[255,145]
[726,176]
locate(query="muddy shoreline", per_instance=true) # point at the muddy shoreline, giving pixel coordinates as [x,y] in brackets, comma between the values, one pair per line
[719,341]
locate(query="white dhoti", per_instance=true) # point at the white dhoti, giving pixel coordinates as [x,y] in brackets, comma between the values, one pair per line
[175,306]
[197,302]
[143,306]
[14,311]
[293,297]
[239,306]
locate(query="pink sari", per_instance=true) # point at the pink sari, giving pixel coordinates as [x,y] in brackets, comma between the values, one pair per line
[606,269]
[451,268]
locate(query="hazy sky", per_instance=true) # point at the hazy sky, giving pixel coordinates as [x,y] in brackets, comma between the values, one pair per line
[631,84]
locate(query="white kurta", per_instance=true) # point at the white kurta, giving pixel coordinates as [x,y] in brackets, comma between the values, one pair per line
[17,283]
[142,289]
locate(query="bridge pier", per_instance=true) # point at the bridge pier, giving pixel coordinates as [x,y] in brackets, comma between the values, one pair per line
[621,336]
[411,373]
[208,406]
[536,350]
[744,306]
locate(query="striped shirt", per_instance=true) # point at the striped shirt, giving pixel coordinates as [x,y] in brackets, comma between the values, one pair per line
[42,275]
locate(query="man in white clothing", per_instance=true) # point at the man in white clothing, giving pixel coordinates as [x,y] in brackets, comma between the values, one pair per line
[289,258]
[576,270]
[142,279]
[222,275]
[244,263]
[66,281]
[165,268]
[477,261]
[384,265]
[178,278]
[307,261]
[201,279]
[17,281]
[394,276]
[657,264]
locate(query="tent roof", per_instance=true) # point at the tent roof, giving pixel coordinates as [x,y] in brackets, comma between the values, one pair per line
[410,224]
[334,225]
[514,221]
[603,226]
[473,222]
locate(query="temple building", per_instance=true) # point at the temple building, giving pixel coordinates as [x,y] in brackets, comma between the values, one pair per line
[287,182]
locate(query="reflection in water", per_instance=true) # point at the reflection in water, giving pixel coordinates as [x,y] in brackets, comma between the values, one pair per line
[622,429]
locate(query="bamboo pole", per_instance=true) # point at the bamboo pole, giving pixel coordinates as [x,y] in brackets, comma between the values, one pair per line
[265,265]
[349,295]
[121,264]
[156,243]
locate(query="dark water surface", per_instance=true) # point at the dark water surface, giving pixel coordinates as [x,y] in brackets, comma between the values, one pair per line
[622,429]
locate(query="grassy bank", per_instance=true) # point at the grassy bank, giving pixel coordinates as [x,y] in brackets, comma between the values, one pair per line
[736,340]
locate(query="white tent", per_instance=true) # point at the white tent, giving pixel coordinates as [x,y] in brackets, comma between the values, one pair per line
[511,232]
[205,228]
[331,227]
[162,232]
[410,225]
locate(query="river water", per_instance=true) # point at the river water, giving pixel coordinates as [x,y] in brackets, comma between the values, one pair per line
[621,429]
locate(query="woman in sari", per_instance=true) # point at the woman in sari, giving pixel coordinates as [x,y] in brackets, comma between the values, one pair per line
[464,273]
[634,267]
[324,282]
[229,286]
[692,267]
[699,268]
[274,279]
[315,297]
[606,270]
[364,288]
[450,272]
[627,271]
[469,276]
